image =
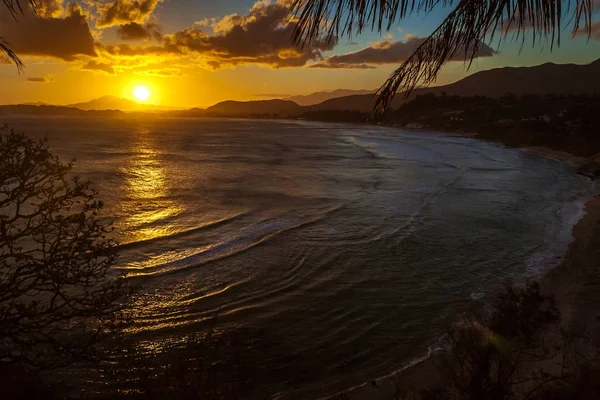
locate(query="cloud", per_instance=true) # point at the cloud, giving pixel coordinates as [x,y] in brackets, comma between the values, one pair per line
[63,38]
[594,31]
[342,65]
[49,8]
[96,66]
[167,72]
[264,36]
[387,52]
[121,12]
[125,50]
[43,79]
[135,31]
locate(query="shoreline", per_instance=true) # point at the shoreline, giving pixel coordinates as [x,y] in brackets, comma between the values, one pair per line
[574,281]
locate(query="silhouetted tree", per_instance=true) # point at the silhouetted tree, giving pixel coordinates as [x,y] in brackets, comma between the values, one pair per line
[57,299]
[462,33]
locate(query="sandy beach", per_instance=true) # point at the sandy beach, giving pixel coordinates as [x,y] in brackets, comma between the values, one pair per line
[575,283]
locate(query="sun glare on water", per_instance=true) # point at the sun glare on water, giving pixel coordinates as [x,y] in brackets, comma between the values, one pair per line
[141,93]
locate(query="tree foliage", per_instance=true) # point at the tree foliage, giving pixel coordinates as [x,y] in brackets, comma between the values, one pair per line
[57,298]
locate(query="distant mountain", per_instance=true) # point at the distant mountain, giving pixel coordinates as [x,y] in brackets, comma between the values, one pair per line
[542,79]
[53,111]
[36,103]
[117,103]
[319,97]
[249,108]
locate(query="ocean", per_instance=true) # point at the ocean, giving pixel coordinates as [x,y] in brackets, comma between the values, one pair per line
[342,251]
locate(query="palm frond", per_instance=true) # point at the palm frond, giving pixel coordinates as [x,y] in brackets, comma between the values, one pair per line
[334,18]
[15,9]
[462,32]
[466,28]
[9,55]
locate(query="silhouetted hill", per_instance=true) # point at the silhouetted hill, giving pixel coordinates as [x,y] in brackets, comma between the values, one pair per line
[547,78]
[319,97]
[191,113]
[359,103]
[25,109]
[253,108]
[116,103]
[37,103]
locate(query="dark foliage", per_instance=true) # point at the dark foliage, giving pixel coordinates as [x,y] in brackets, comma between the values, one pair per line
[565,123]
[57,299]
[513,348]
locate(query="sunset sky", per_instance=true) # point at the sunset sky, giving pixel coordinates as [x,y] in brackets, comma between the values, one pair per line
[196,52]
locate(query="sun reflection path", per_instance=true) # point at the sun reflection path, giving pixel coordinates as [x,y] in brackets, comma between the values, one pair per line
[146,207]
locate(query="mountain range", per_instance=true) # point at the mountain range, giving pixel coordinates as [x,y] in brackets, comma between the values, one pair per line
[549,78]
[117,103]
[319,97]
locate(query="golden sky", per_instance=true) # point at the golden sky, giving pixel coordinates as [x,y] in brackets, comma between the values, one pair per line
[196,53]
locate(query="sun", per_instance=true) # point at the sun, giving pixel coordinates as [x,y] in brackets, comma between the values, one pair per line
[141,93]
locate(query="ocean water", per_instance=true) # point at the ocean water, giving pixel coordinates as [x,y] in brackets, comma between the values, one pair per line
[344,249]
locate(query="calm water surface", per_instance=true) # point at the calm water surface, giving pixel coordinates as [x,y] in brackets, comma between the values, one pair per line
[346,248]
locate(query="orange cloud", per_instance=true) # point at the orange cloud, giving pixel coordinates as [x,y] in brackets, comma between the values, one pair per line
[261,37]
[121,12]
[99,67]
[49,8]
[264,36]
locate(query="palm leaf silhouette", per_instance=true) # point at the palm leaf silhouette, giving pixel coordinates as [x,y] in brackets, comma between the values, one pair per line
[467,26]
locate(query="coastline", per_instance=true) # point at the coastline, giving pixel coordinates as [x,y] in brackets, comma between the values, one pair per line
[574,281]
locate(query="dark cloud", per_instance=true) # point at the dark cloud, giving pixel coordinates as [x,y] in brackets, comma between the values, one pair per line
[162,72]
[63,38]
[135,31]
[264,36]
[129,51]
[342,66]
[99,67]
[121,12]
[594,31]
[386,52]
[44,79]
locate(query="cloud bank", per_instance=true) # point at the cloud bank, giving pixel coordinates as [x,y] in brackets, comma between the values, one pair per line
[135,31]
[388,52]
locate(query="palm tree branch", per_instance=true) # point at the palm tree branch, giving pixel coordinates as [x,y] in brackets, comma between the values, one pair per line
[466,28]
[334,18]
[9,55]
[462,32]
[15,9]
